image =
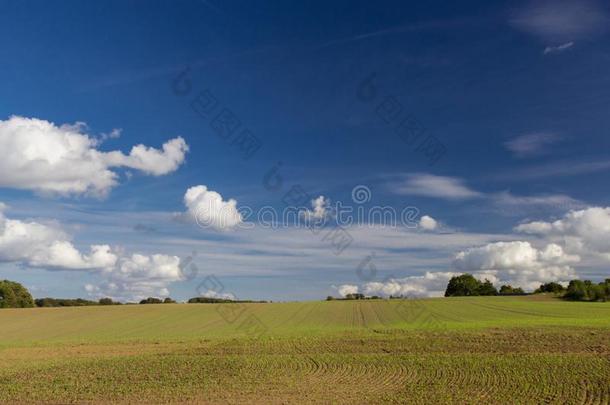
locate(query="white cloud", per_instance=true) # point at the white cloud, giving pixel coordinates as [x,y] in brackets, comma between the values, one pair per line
[430,185]
[533,144]
[511,203]
[140,276]
[555,169]
[427,223]
[453,188]
[581,231]
[517,263]
[562,20]
[558,49]
[535,227]
[63,255]
[321,209]
[41,156]
[207,209]
[430,284]
[347,289]
[216,294]
[125,277]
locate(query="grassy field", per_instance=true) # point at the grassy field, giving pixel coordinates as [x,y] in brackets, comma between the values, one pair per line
[491,349]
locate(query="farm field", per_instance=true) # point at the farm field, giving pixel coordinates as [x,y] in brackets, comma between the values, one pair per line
[464,350]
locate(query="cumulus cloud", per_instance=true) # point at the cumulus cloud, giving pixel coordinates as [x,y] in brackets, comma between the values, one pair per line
[430,284]
[347,289]
[517,263]
[584,231]
[429,185]
[217,294]
[427,223]
[533,144]
[320,209]
[125,277]
[562,20]
[38,155]
[208,209]
[138,276]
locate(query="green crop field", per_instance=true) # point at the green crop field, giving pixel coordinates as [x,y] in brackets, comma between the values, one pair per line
[488,349]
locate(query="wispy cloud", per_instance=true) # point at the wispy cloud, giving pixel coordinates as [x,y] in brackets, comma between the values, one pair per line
[558,48]
[533,144]
[562,20]
[557,202]
[413,27]
[554,169]
[454,188]
[430,185]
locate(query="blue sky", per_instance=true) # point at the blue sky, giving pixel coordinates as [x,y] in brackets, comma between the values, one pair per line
[514,94]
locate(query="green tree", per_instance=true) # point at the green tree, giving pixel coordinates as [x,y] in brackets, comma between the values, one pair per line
[487,288]
[577,290]
[106,301]
[14,295]
[151,300]
[551,287]
[510,290]
[464,285]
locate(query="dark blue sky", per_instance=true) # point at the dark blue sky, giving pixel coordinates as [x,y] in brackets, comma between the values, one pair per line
[515,93]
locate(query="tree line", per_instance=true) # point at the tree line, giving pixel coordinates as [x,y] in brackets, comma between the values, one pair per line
[577,290]
[15,295]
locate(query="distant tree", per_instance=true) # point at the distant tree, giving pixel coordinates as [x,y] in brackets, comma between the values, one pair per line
[585,290]
[330,298]
[487,288]
[509,290]
[606,285]
[106,301]
[151,300]
[463,285]
[168,300]
[551,287]
[14,295]
[209,300]
[63,302]
[598,292]
[506,289]
[355,296]
[577,290]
